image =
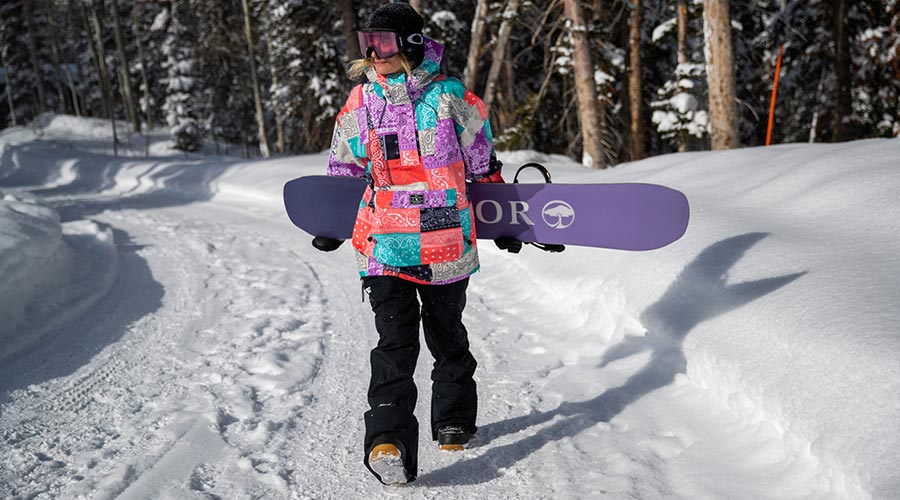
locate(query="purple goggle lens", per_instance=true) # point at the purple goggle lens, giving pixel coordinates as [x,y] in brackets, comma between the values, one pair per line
[383,43]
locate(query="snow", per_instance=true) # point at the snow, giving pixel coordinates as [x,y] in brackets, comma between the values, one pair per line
[660,31]
[167,333]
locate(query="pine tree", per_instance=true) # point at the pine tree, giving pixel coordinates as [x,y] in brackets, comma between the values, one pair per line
[679,112]
[875,65]
[226,106]
[31,90]
[154,21]
[182,92]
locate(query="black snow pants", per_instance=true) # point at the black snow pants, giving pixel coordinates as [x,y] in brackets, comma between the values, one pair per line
[392,392]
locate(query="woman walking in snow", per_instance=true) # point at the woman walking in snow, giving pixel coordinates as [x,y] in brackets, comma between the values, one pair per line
[417,137]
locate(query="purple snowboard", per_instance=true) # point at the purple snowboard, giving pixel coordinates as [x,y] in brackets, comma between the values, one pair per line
[620,216]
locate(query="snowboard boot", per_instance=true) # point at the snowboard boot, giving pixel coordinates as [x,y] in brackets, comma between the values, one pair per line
[453,438]
[386,462]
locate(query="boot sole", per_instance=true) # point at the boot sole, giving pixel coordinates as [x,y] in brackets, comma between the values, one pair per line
[452,447]
[388,467]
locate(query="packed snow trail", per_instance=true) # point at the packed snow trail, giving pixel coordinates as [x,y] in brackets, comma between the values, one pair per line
[218,355]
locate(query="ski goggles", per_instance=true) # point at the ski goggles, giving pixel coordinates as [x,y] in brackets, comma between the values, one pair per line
[385,43]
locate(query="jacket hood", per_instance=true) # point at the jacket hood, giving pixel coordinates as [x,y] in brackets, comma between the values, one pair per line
[414,83]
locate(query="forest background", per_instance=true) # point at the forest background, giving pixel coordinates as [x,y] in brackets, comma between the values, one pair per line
[602,81]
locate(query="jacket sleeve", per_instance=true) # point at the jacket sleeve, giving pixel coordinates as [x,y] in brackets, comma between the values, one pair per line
[348,152]
[476,141]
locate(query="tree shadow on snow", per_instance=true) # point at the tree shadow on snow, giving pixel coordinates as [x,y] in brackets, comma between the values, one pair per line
[700,292]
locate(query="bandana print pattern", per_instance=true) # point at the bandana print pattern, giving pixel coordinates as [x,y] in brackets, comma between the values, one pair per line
[420,138]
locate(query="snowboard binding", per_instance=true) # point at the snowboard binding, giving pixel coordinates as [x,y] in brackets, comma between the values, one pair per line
[547,247]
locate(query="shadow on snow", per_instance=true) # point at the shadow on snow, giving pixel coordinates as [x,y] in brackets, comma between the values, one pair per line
[135,293]
[168,182]
[699,293]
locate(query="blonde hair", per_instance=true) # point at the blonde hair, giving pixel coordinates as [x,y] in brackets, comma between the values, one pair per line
[359,67]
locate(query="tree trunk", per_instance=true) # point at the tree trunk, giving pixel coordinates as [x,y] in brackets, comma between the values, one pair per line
[843,81]
[681,9]
[56,53]
[506,102]
[9,97]
[104,76]
[75,104]
[585,90]
[32,50]
[470,76]
[598,14]
[104,112]
[147,108]
[126,68]
[349,22]
[499,54]
[417,4]
[280,140]
[257,93]
[636,84]
[720,74]
[71,27]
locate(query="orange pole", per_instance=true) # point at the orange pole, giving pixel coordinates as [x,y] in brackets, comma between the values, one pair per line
[774,95]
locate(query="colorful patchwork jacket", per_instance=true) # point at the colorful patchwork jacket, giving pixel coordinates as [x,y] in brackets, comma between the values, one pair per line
[417,140]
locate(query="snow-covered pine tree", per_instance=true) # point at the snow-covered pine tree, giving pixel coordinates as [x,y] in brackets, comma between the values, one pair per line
[36,28]
[325,85]
[154,23]
[27,60]
[226,106]
[283,57]
[443,23]
[679,111]
[11,60]
[182,79]
[881,71]
[875,92]
[678,115]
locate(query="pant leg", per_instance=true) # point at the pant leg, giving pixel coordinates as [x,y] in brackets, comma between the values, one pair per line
[454,399]
[392,391]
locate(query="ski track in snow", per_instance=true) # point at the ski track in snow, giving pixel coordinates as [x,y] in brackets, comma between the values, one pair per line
[228,359]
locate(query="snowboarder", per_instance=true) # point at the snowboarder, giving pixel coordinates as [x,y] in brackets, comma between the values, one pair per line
[417,137]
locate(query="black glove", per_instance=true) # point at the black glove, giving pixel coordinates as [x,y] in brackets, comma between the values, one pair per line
[326,244]
[509,244]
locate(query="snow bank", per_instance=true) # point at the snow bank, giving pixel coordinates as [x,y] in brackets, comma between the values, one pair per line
[781,299]
[33,260]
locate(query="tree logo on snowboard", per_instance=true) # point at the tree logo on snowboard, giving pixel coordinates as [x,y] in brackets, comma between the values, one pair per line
[558,214]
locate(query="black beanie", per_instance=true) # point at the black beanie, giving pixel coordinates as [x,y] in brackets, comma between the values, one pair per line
[402,19]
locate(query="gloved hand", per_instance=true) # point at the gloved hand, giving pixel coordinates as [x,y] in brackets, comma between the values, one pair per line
[509,244]
[326,244]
